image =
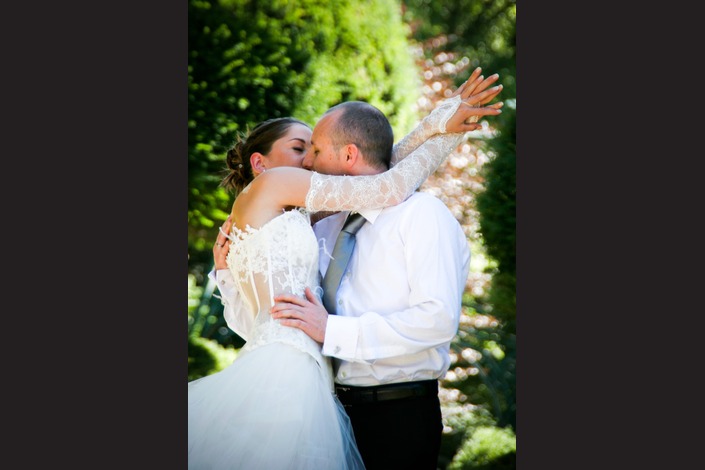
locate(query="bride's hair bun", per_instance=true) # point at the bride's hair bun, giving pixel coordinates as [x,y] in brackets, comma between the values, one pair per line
[239,170]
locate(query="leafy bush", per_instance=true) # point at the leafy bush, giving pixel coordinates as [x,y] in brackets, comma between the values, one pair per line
[483,367]
[498,200]
[206,356]
[486,448]
[459,420]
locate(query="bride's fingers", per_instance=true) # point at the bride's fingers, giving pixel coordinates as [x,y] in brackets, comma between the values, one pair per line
[461,89]
[470,89]
[482,110]
[465,119]
[483,85]
[484,97]
[470,126]
[223,231]
[490,96]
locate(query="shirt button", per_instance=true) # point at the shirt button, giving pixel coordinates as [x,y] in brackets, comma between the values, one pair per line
[340,302]
[337,349]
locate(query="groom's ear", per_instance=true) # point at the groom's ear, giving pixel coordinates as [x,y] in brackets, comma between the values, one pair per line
[257,163]
[352,154]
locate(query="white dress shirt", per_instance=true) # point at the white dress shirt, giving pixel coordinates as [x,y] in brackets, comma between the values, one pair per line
[399,301]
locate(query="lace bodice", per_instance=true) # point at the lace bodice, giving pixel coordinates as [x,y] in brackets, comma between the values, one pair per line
[279,257]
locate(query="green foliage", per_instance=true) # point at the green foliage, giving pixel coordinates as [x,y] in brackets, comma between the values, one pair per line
[249,61]
[370,61]
[194,294]
[206,356]
[485,368]
[465,34]
[482,30]
[497,206]
[487,448]
[459,421]
[503,300]
[205,315]
[245,64]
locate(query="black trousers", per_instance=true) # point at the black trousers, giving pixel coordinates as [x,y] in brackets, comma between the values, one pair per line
[398,433]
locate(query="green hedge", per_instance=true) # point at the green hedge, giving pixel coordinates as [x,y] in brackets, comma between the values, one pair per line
[206,356]
[486,448]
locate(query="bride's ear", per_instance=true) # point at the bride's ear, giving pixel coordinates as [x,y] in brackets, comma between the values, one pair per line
[257,163]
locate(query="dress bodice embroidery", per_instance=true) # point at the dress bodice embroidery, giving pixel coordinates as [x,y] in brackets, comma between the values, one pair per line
[279,257]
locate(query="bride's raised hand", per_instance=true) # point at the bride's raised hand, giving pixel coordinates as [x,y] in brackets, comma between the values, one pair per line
[466,116]
[471,91]
[472,94]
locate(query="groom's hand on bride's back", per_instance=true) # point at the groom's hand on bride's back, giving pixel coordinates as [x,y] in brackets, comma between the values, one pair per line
[308,315]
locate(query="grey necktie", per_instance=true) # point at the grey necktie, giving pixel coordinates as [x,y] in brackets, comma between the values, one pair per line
[341,255]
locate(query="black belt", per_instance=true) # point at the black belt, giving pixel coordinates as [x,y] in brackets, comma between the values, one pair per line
[357,395]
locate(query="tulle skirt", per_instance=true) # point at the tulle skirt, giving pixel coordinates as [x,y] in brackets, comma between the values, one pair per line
[271,409]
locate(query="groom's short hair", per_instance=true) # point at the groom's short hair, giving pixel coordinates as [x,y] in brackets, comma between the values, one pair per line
[367,127]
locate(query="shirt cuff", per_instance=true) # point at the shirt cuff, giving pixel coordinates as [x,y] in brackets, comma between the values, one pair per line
[341,337]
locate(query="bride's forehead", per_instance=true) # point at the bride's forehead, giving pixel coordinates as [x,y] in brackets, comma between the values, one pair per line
[297,132]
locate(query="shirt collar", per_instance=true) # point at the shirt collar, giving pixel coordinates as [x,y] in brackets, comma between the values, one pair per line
[370,214]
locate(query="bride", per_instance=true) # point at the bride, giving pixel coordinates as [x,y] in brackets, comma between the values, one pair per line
[274,407]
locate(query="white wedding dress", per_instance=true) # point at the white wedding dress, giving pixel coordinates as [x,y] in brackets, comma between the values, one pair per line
[274,407]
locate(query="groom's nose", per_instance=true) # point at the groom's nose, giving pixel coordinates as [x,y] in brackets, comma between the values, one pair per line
[307,162]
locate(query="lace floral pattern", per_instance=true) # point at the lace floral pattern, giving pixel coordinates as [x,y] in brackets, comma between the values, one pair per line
[330,192]
[279,257]
[434,123]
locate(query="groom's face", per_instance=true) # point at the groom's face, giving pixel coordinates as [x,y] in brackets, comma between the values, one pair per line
[322,156]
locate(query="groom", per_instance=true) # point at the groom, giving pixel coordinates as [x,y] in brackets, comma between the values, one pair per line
[398,303]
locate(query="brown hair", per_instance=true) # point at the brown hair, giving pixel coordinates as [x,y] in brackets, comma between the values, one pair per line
[260,139]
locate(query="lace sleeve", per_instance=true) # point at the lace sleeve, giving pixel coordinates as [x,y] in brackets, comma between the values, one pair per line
[434,123]
[330,192]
